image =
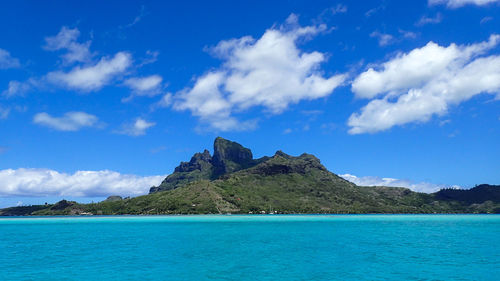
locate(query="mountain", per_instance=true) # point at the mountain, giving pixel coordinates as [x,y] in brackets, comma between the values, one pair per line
[232,181]
[228,157]
[475,195]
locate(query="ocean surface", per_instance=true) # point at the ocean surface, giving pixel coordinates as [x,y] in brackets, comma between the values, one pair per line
[267,247]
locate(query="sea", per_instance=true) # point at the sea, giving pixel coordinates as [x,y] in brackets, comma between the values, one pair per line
[251,247]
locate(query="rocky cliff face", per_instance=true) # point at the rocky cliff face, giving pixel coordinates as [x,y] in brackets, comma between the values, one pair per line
[228,157]
[199,161]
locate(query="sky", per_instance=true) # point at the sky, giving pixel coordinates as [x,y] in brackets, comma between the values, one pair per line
[106,98]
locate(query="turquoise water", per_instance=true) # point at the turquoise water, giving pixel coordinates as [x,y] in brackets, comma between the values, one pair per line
[272,247]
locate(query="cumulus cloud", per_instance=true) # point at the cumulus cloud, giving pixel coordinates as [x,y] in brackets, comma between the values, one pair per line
[70,121]
[45,182]
[270,72]
[94,77]
[144,86]
[383,38]
[87,78]
[377,181]
[206,101]
[7,61]
[424,82]
[66,39]
[137,128]
[87,75]
[460,3]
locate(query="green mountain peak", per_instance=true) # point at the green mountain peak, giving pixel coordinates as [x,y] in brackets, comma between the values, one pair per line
[228,157]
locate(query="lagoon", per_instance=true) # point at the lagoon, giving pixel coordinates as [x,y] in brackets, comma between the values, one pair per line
[251,247]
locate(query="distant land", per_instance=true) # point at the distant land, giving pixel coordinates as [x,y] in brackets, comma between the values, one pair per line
[232,181]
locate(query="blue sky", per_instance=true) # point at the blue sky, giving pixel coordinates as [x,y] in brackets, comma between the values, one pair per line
[107,98]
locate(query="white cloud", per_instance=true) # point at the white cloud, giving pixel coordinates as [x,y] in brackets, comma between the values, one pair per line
[17,88]
[88,75]
[339,9]
[460,3]
[81,71]
[165,101]
[44,182]
[326,14]
[429,20]
[137,128]
[137,19]
[377,181]
[269,72]
[417,67]
[4,112]
[66,39]
[383,38]
[144,86]
[7,61]
[424,82]
[408,34]
[485,20]
[206,101]
[444,122]
[151,57]
[91,78]
[70,121]
[375,10]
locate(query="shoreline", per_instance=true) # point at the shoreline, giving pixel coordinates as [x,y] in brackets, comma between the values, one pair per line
[253,215]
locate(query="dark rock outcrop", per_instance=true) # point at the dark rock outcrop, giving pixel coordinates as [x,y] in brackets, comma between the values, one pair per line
[228,157]
[199,161]
[282,163]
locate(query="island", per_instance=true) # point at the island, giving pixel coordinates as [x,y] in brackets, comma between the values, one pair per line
[231,181]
